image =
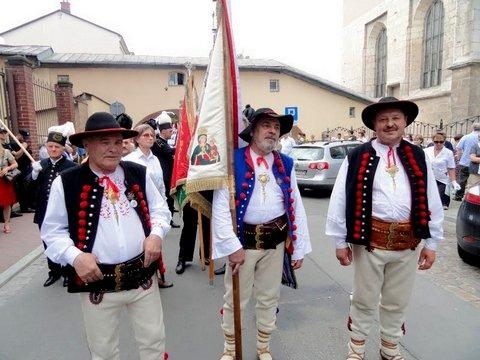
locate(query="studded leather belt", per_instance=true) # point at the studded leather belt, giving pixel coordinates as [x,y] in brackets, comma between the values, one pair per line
[394,236]
[265,236]
[127,275]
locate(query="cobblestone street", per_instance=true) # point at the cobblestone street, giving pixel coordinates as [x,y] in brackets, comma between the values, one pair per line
[449,271]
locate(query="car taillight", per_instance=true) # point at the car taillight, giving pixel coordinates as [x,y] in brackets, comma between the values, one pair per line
[322,165]
[472,198]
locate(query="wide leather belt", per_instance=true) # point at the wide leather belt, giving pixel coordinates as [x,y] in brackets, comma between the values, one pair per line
[127,275]
[394,236]
[265,236]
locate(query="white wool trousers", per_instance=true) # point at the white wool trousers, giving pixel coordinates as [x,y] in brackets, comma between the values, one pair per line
[261,274]
[383,281]
[144,308]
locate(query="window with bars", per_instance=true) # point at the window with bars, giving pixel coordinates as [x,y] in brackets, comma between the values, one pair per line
[274,85]
[433,46]
[381,64]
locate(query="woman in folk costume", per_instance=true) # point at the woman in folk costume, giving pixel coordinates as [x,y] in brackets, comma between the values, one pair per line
[271,238]
[7,190]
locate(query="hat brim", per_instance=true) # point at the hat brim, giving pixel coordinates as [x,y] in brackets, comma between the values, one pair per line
[77,138]
[286,124]
[409,108]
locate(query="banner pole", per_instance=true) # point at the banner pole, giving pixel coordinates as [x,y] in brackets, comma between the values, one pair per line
[17,141]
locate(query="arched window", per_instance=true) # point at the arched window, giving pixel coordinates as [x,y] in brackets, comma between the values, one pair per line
[433,46]
[381,64]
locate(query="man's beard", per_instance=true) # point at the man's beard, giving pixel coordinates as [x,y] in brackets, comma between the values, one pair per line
[266,145]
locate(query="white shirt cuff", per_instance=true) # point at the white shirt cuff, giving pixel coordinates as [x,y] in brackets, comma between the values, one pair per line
[71,254]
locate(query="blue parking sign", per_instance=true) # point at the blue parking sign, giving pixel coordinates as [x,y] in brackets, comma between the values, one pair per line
[292,110]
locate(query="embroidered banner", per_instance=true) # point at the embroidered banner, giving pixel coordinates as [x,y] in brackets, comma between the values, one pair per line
[218,124]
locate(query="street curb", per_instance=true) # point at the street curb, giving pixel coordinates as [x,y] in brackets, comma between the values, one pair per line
[13,270]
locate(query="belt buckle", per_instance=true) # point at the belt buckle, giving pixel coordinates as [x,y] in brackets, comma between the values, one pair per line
[391,235]
[118,277]
[258,234]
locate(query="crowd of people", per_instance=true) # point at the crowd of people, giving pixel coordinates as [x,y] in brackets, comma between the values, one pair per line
[103,208]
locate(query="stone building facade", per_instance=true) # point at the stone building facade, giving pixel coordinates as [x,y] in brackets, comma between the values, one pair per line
[432,54]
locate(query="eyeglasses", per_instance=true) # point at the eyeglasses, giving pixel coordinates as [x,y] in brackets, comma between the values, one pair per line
[147,135]
[438,142]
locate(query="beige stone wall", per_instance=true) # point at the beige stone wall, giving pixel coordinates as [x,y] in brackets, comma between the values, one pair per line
[145,91]
[466,92]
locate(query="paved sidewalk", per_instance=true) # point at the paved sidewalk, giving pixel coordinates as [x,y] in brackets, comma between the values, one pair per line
[20,247]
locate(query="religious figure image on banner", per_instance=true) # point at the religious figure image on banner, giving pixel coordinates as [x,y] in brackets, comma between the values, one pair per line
[206,152]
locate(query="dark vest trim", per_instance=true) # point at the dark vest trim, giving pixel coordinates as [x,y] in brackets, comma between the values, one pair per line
[363,163]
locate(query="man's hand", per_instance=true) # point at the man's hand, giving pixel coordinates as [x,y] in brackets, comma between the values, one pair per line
[426,259]
[344,256]
[86,267]
[297,264]
[152,246]
[236,259]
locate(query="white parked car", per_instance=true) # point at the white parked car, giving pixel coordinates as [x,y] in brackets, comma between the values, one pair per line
[317,163]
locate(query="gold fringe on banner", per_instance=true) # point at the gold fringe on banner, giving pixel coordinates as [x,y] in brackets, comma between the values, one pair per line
[202,205]
[194,186]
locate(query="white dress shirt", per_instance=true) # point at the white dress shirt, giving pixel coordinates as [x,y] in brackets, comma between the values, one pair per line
[151,162]
[120,232]
[391,202]
[441,163]
[265,205]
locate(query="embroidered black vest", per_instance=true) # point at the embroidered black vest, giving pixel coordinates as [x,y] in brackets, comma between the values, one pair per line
[363,164]
[83,199]
[43,184]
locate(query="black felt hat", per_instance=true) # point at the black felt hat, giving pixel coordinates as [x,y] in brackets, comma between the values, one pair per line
[286,122]
[409,108]
[101,123]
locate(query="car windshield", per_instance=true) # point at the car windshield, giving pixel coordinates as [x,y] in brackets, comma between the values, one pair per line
[307,153]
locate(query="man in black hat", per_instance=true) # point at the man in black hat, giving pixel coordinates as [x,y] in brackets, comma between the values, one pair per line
[386,202]
[106,220]
[271,233]
[43,174]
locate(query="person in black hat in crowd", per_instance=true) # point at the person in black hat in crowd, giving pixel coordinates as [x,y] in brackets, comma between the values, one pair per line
[43,174]
[271,236]
[106,220]
[386,202]
[165,154]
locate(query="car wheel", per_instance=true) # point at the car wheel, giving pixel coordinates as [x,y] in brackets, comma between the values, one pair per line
[467,257]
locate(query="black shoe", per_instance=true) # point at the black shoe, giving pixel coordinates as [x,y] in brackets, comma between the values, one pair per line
[28,211]
[65,282]
[220,270]
[51,280]
[180,269]
[173,225]
[15,214]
